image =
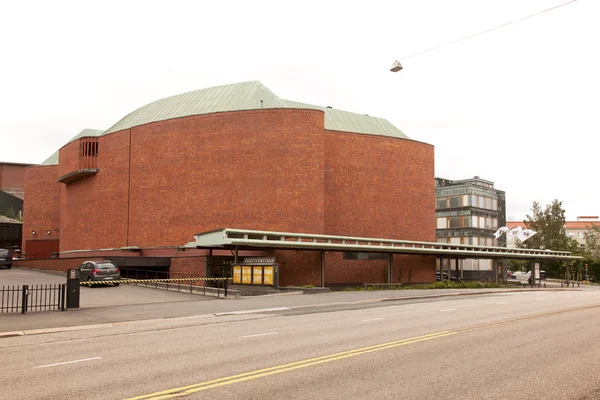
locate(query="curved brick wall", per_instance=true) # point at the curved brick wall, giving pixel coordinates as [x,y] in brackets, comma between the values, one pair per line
[272,169]
[377,186]
[250,169]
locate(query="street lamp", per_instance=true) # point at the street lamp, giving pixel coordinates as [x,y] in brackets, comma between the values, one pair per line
[396,66]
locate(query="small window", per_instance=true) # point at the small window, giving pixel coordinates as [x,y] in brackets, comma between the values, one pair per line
[488,203]
[441,223]
[454,222]
[454,202]
[495,204]
[442,203]
[467,221]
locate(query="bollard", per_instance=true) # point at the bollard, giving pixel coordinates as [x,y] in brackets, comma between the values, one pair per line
[225,287]
[73,288]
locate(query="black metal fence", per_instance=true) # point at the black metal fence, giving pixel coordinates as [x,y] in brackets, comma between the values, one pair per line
[32,298]
[175,281]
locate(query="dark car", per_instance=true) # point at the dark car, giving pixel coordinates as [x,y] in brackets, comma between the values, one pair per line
[5,258]
[99,271]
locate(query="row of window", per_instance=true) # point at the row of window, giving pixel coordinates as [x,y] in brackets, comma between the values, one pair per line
[475,241]
[467,200]
[467,221]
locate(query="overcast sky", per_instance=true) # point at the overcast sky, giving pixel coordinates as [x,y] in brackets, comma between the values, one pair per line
[518,106]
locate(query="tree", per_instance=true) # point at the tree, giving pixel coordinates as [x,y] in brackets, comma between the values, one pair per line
[549,223]
[592,241]
[10,213]
[592,253]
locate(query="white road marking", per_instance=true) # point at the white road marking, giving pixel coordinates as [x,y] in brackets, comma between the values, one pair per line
[448,309]
[68,362]
[372,319]
[220,314]
[258,334]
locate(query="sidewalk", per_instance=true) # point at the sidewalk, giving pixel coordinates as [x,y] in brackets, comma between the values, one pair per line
[218,307]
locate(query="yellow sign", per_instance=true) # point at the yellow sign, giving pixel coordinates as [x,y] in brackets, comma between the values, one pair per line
[237,274]
[268,275]
[247,275]
[257,277]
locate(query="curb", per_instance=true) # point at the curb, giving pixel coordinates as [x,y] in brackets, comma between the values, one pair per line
[31,332]
[258,311]
[433,296]
[11,334]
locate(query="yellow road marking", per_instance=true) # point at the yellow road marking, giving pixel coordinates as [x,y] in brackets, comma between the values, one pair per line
[185,390]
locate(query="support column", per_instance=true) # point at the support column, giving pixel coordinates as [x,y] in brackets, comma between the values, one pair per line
[322,269]
[390,266]
[495,264]
[457,270]
[567,272]
[441,269]
[235,256]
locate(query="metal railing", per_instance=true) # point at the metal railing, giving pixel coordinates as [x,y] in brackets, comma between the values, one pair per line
[164,280]
[32,298]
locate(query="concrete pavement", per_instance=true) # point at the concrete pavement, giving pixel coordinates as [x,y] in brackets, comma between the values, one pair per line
[527,345]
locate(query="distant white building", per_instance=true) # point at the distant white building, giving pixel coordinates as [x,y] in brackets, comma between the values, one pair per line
[573,229]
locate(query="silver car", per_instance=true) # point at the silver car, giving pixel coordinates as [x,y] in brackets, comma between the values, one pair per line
[99,271]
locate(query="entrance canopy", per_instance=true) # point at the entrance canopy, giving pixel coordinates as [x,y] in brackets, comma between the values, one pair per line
[253,239]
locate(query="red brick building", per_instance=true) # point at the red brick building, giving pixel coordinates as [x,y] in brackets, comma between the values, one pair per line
[235,156]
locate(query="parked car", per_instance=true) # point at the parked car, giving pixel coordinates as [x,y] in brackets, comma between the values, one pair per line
[526,276]
[5,258]
[99,271]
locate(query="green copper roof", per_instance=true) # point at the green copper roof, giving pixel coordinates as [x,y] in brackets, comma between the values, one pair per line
[345,121]
[53,159]
[247,96]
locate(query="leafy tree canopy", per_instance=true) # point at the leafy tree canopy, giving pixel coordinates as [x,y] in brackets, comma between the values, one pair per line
[549,223]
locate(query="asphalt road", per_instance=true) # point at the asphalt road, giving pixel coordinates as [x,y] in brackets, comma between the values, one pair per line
[529,345]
